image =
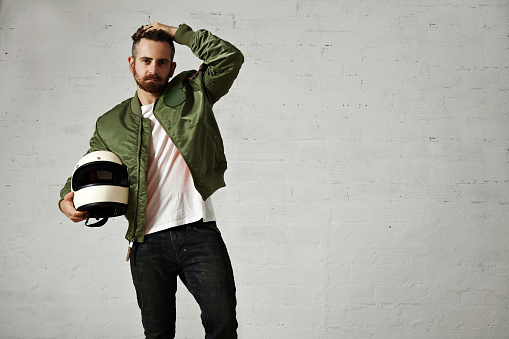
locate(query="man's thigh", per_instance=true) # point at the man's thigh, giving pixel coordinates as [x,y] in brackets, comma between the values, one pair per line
[154,271]
[207,273]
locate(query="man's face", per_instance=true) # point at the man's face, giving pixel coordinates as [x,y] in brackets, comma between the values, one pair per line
[152,67]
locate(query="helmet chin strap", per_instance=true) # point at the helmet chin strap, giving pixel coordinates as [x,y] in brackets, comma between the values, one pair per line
[99,223]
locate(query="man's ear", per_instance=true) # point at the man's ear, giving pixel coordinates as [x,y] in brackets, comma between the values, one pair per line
[130,59]
[173,67]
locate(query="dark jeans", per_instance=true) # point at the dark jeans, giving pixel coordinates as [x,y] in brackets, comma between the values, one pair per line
[196,254]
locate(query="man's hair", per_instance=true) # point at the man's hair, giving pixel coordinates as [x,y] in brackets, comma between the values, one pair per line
[154,35]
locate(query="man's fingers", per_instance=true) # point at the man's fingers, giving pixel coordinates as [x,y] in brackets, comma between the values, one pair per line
[67,207]
[78,216]
[149,27]
[157,25]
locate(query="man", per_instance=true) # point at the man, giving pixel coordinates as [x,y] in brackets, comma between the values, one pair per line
[169,140]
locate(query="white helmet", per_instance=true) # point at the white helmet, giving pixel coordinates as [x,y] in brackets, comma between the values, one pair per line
[101,186]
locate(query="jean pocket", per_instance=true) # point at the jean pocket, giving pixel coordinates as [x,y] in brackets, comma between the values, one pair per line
[206,230]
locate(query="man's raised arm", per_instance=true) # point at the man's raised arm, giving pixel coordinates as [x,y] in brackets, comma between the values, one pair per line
[221,60]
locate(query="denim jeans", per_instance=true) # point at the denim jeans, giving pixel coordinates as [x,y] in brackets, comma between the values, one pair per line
[197,255]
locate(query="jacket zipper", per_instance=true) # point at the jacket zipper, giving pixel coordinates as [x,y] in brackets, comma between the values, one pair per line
[140,130]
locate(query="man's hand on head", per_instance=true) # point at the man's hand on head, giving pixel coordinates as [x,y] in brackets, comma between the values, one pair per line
[168,29]
[67,207]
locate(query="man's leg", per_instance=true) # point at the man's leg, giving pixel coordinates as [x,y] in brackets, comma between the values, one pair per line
[154,269]
[208,274]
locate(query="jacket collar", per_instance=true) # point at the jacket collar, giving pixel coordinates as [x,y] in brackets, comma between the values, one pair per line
[135,105]
[135,101]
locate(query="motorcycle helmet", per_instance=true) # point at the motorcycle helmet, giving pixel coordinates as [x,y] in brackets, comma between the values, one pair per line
[101,186]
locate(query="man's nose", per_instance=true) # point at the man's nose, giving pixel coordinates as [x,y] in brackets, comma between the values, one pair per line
[153,68]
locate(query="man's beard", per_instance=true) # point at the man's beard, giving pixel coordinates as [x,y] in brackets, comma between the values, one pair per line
[154,87]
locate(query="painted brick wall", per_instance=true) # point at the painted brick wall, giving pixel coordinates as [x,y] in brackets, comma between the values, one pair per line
[368,147]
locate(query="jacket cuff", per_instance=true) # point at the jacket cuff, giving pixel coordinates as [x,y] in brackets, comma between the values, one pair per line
[184,35]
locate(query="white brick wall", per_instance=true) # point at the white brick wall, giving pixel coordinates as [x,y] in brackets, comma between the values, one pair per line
[368,147]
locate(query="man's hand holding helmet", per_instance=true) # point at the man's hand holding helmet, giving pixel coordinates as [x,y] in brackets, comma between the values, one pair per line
[67,207]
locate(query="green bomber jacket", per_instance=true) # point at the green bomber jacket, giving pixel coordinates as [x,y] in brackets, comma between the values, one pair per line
[185,112]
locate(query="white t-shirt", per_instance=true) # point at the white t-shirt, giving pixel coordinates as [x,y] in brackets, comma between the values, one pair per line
[172,198]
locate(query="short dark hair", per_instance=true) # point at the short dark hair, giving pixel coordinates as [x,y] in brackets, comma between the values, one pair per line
[154,35]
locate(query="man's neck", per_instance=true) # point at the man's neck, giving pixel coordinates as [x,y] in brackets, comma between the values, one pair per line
[146,98]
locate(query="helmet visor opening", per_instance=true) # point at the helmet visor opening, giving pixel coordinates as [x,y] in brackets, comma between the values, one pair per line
[100,173]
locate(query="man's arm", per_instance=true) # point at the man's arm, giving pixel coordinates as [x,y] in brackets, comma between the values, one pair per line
[65,203]
[221,60]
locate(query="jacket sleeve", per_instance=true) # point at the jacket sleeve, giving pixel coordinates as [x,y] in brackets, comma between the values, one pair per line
[221,60]
[96,144]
